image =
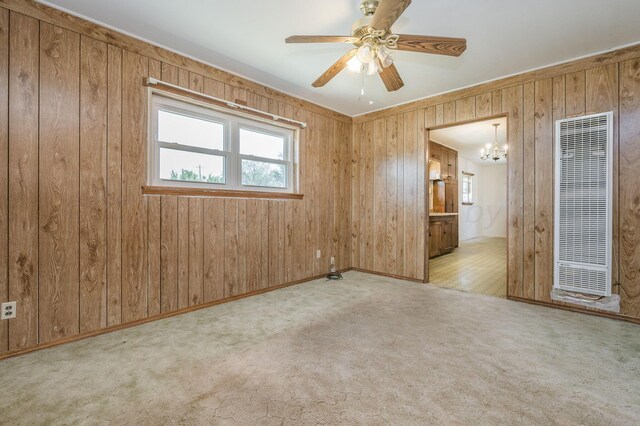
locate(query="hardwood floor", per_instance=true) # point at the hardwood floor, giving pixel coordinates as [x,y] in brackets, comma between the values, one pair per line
[476,266]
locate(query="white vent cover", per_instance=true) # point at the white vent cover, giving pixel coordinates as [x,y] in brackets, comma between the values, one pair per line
[583,194]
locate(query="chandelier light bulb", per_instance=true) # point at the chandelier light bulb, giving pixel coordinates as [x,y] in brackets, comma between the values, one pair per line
[373,68]
[384,55]
[354,64]
[366,53]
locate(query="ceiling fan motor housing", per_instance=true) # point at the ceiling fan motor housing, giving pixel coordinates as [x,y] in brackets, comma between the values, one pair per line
[368,7]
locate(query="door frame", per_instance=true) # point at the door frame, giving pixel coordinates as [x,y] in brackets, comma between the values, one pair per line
[426,174]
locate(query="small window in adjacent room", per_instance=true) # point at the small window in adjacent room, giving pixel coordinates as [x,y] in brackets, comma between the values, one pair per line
[193,146]
[467,188]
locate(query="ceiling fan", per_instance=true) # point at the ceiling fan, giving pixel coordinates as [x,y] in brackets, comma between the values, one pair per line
[374,43]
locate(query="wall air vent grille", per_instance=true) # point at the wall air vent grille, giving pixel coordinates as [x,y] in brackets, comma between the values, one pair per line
[583,188]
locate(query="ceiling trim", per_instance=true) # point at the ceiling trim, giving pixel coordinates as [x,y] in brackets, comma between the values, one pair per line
[107,34]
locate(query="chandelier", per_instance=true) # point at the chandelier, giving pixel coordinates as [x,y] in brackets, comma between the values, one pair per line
[374,52]
[494,154]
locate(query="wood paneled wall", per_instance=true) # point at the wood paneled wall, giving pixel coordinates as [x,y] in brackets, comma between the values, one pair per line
[82,249]
[388,154]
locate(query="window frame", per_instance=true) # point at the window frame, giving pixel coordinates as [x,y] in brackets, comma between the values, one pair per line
[232,158]
[467,178]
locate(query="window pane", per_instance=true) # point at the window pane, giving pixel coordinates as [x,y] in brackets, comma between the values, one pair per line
[192,131]
[256,173]
[261,144]
[191,166]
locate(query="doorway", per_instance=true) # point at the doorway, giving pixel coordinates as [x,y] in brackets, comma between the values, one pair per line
[467,205]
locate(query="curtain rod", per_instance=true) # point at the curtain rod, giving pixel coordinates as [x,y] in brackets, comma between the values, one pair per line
[155,82]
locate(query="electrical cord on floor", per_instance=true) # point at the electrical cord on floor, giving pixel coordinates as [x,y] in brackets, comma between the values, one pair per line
[334,276]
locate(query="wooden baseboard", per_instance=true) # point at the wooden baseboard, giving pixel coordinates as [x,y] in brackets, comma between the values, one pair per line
[576,309]
[118,327]
[382,274]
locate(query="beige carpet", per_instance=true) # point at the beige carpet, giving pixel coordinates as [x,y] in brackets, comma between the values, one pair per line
[366,350]
[476,266]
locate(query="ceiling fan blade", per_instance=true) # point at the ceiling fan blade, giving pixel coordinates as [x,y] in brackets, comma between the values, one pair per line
[436,45]
[334,69]
[387,13]
[391,78]
[320,39]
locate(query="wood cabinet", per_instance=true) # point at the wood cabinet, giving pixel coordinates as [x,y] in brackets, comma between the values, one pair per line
[435,151]
[448,159]
[451,197]
[452,164]
[443,235]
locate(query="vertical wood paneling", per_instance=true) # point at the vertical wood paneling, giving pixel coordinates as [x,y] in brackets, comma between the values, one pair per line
[154,233]
[602,96]
[379,199]
[300,252]
[629,195]
[59,183]
[4,171]
[483,105]
[575,94]
[544,182]
[24,52]
[344,204]
[168,254]
[466,109]
[231,247]
[529,182]
[134,222]
[410,170]
[242,248]
[196,251]
[214,242]
[93,181]
[154,258]
[254,243]
[274,220]
[429,121]
[439,114]
[392,162]
[311,205]
[264,246]
[183,252]
[368,195]
[356,222]
[421,187]
[496,102]
[400,191]
[512,103]
[114,186]
[449,112]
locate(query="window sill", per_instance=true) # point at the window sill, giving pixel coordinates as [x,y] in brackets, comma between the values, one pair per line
[222,193]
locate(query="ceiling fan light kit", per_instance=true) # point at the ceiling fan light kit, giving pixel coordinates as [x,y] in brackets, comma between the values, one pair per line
[374,44]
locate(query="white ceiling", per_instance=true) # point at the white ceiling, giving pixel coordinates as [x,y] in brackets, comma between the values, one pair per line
[469,139]
[246,37]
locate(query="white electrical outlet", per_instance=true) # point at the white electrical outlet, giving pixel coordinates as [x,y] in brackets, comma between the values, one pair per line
[333,260]
[8,311]
[318,255]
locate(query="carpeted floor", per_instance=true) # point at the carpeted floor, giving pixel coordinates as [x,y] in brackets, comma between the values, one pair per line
[365,350]
[476,266]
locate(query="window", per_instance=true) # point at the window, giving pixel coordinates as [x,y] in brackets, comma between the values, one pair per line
[195,146]
[467,188]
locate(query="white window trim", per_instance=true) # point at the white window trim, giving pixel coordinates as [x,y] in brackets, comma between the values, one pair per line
[469,178]
[231,151]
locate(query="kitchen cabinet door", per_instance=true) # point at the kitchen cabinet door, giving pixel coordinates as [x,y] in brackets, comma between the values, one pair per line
[435,232]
